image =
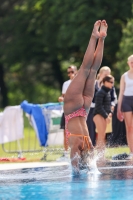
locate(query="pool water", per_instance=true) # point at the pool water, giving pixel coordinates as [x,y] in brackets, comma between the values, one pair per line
[58,183]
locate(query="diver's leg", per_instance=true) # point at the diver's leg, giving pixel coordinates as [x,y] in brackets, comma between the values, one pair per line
[90,82]
[74,96]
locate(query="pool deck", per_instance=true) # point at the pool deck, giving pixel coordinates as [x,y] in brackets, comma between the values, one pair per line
[26,165]
[10,166]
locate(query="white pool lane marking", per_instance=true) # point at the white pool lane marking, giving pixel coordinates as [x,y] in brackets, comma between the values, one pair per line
[31,165]
[117,167]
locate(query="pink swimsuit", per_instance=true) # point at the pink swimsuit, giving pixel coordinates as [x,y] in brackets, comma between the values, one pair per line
[80,112]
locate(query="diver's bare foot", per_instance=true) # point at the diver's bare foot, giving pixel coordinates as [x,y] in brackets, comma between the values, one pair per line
[103,29]
[95,31]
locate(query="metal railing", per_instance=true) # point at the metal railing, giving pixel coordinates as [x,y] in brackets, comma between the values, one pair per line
[30,143]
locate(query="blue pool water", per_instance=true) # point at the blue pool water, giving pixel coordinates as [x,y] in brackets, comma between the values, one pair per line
[57,183]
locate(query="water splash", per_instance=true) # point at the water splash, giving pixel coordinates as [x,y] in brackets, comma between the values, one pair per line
[86,164]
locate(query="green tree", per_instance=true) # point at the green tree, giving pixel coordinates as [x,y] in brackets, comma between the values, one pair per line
[39,36]
[126,49]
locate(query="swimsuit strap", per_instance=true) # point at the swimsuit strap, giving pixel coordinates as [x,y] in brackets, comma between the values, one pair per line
[85,139]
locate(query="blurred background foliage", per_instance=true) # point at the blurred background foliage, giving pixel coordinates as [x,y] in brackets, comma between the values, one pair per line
[39,39]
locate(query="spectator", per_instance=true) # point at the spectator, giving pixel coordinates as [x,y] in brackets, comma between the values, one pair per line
[125,104]
[71,72]
[103,112]
[104,71]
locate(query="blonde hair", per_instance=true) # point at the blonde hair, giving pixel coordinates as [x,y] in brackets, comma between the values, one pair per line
[73,67]
[102,69]
[130,57]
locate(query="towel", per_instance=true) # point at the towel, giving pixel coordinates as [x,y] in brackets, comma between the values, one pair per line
[11,124]
[38,121]
[40,116]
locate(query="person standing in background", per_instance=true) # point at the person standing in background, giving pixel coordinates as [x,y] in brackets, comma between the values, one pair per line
[71,72]
[103,112]
[125,104]
[104,71]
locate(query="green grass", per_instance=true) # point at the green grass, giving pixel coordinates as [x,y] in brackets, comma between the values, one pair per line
[34,147]
[30,142]
[116,150]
